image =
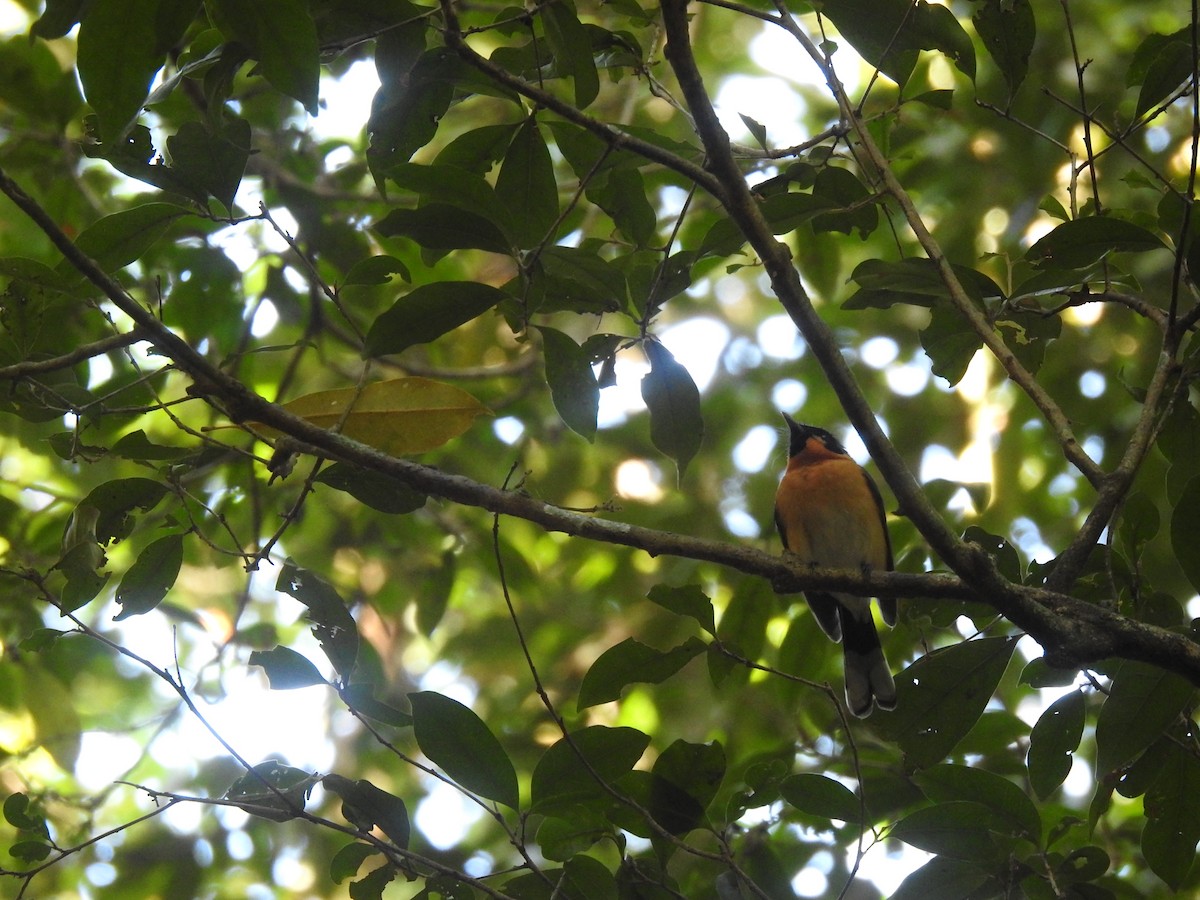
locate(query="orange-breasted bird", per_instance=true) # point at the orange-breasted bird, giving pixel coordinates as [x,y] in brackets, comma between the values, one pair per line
[829,513]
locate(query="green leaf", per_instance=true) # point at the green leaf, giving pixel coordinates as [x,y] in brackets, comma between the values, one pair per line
[1081,242]
[332,624]
[676,425]
[211,162]
[942,878]
[458,741]
[286,669]
[1173,817]
[30,851]
[876,29]
[573,385]
[282,36]
[1142,701]
[1012,812]
[360,697]
[428,312]
[137,446]
[59,17]
[1185,530]
[366,806]
[150,577]
[575,768]
[116,500]
[372,489]
[820,795]
[1053,741]
[572,49]
[376,270]
[959,829]
[941,696]
[849,198]
[914,281]
[347,861]
[685,778]
[272,790]
[1004,555]
[632,662]
[442,226]
[116,83]
[621,192]
[1169,69]
[686,600]
[1140,522]
[575,279]
[526,185]
[124,237]
[1008,29]
[402,416]
[371,885]
[23,813]
[950,343]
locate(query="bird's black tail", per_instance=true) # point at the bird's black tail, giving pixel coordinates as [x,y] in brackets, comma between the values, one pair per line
[868,678]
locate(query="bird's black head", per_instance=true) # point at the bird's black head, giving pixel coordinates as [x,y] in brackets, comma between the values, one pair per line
[799,434]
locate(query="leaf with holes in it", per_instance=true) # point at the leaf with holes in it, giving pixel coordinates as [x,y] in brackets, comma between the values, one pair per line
[332,624]
[150,577]
[1142,701]
[1079,243]
[671,396]
[272,790]
[403,417]
[632,662]
[1053,742]
[286,669]
[941,696]
[573,385]
[426,313]
[456,739]
[116,500]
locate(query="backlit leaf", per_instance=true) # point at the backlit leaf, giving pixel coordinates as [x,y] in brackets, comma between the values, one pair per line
[403,417]
[456,739]
[123,237]
[1080,242]
[959,829]
[150,577]
[631,662]
[575,769]
[676,425]
[1008,30]
[821,796]
[573,386]
[372,489]
[116,84]
[1185,530]
[272,790]
[1053,742]
[1011,809]
[281,35]
[526,184]
[332,624]
[686,600]
[1142,701]
[1173,817]
[286,669]
[366,806]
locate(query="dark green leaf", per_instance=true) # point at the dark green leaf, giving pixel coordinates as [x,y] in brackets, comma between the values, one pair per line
[366,806]
[685,779]
[116,83]
[621,192]
[1173,817]
[30,851]
[820,795]
[632,662]
[458,741]
[526,185]
[572,49]
[1081,242]
[286,669]
[1170,68]
[371,885]
[676,425]
[376,270]
[150,577]
[1004,555]
[360,697]
[950,343]
[1185,530]
[1008,30]
[115,500]
[272,790]
[852,208]
[686,600]
[211,162]
[23,813]
[1011,809]
[441,226]
[282,36]
[347,861]
[959,829]
[915,281]
[58,18]
[575,769]
[460,188]
[942,878]
[332,624]
[372,489]
[428,312]
[573,386]
[578,280]
[1141,703]
[876,29]
[1053,742]
[123,237]
[136,445]
[941,696]
[1139,523]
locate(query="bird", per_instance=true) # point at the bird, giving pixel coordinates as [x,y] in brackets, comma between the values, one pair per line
[829,513]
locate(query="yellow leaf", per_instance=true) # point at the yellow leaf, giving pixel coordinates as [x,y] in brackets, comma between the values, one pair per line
[403,417]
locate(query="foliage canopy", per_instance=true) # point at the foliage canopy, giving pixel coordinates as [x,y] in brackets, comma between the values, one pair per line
[462,429]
